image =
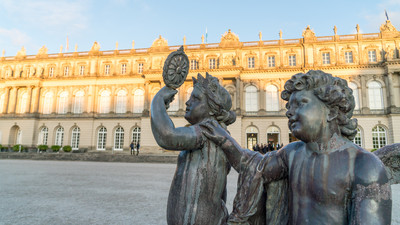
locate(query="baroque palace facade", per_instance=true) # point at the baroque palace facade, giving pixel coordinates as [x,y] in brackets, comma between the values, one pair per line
[100,100]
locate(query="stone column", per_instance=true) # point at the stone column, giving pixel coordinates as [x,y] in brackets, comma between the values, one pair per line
[70,102]
[238,95]
[262,96]
[35,100]
[29,101]
[12,100]
[129,102]
[113,97]
[364,94]
[390,90]
[55,101]
[6,100]
[146,98]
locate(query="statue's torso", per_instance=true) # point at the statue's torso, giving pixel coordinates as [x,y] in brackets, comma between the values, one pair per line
[198,190]
[320,186]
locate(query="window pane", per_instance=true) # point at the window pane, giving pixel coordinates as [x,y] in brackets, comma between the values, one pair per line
[251,99]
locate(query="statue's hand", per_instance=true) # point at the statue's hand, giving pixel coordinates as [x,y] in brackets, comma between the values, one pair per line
[213,131]
[167,95]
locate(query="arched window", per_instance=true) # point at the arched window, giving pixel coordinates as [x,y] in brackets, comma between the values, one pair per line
[174,105]
[48,103]
[273,136]
[101,138]
[23,103]
[105,101]
[358,138]
[76,133]
[121,102]
[375,95]
[63,103]
[59,136]
[136,135]
[272,98]
[251,99]
[119,139]
[78,102]
[138,101]
[2,103]
[251,137]
[354,87]
[43,136]
[189,93]
[379,137]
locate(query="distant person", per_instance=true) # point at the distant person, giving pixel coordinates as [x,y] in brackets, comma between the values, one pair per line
[137,148]
[132,146]
[264,149]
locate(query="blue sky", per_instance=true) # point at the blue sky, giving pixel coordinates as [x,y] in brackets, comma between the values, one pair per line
[34,23]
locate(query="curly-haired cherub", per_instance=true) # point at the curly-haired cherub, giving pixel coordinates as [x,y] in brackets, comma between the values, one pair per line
[322,179]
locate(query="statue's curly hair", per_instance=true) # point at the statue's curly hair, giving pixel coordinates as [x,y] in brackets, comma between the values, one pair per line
[333,91]
[218,99]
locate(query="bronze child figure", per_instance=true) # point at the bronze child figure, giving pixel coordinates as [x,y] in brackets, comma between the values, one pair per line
[198,190]
[324,178]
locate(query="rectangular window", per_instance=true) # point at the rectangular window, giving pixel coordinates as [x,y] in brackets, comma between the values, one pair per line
[66,71]
[292,60]
[372,56]
[123,68]
[81,70]
[326,58]
[140,68]
[348,57]
[51,71]
[211,63]
[107,69]
[271,61]
[250,62]
[194,64]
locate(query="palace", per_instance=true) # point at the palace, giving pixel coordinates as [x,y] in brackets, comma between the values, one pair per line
[100,100]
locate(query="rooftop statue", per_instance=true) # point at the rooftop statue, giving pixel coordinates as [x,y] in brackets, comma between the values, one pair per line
[198,190]
[322,179]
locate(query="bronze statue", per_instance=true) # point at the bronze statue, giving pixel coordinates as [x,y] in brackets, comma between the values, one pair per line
[198,189]
[324,178]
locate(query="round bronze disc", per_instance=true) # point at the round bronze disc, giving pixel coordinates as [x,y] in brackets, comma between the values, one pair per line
[176,69]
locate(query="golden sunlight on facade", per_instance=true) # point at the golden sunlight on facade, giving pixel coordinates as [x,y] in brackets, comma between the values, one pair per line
[100,100]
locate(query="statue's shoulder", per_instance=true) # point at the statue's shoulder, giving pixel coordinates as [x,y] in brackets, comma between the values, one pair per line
[293,147]
[368,168]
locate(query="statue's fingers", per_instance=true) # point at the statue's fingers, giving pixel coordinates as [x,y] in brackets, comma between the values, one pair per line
[215,123]
[206,126]
[208,135]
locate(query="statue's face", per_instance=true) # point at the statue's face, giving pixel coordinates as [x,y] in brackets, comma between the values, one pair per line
[307,116]
[197,108]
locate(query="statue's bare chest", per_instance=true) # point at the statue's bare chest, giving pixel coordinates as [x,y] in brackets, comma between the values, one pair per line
[321,178]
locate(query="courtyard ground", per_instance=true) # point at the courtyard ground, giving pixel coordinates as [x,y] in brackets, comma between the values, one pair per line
[81,192]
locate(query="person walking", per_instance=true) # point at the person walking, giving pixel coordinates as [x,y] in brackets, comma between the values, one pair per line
[132,146]
[137,148]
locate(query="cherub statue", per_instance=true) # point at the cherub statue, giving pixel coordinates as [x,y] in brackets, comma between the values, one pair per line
[198,189]
[322,179]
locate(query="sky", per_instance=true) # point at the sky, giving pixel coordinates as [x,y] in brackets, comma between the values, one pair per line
[34,23]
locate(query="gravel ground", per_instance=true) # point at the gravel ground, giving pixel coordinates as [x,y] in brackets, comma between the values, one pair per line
[64,192]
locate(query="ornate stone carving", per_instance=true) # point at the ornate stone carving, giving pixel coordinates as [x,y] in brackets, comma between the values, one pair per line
[159,42]
[309,35]
[388,30]
[95,47]
[42,52]
[230,39]
[21,53]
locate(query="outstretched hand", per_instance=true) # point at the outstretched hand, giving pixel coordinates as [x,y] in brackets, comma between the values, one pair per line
[213,131]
